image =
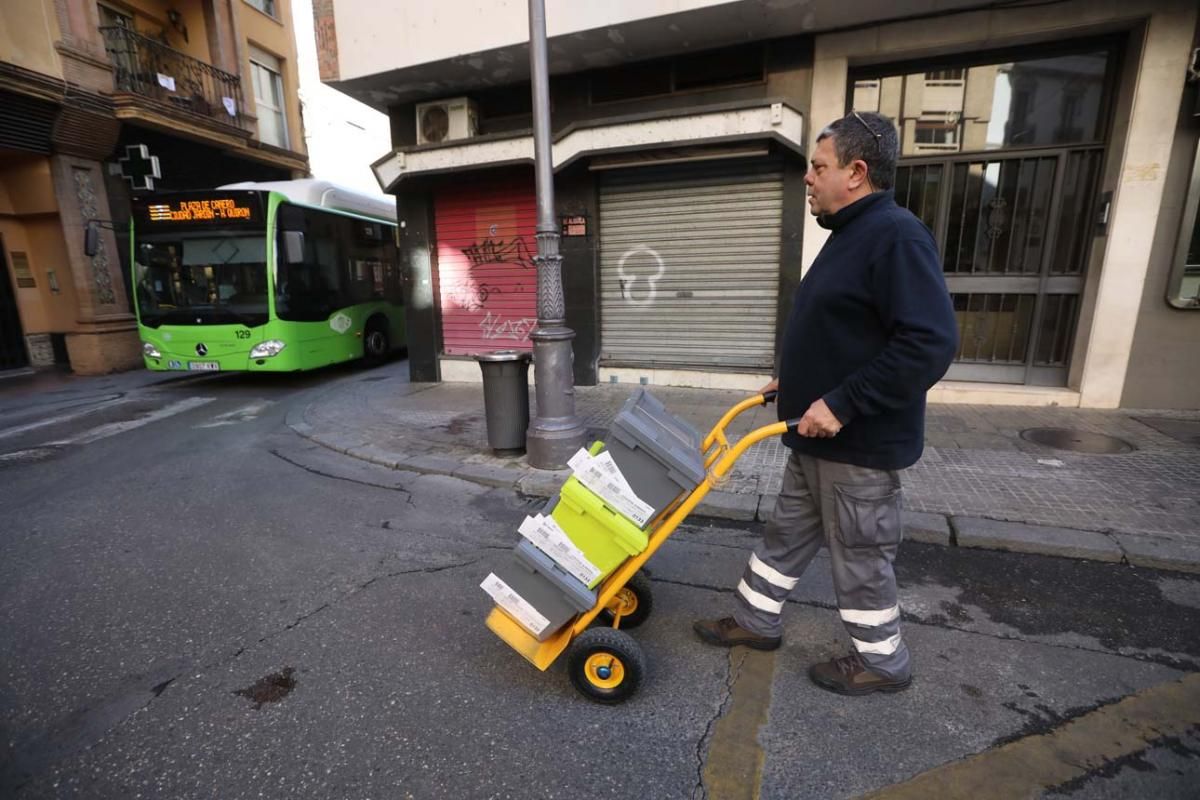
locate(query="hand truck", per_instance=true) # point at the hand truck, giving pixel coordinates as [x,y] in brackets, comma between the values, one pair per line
[606,664]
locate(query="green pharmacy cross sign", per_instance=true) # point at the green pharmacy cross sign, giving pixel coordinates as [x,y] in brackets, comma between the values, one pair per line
[139,167]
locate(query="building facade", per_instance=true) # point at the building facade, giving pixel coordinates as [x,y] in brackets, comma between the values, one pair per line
[1052,150]
[96,97]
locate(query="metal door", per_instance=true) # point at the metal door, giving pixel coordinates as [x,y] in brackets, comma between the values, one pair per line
[487,280]
[689,265]
[13,354]
[1014,232]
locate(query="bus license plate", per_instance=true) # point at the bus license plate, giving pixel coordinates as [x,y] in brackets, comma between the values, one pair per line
[204,366]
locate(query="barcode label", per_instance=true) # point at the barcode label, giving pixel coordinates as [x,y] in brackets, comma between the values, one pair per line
[518,607]
[551,539]
[602,475]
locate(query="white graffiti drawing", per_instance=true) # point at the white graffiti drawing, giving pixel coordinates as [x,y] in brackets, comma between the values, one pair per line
[629,281]
[494,327]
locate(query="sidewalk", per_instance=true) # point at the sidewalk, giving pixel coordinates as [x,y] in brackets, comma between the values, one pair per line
[979,484]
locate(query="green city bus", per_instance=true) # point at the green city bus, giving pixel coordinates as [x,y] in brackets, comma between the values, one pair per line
[271,277]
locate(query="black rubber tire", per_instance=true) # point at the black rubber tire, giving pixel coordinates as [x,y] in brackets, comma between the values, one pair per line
[643,595]
[616,648]
[376,343]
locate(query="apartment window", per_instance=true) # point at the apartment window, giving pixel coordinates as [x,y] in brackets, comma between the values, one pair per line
[265,6]
[115,18]
[267,75]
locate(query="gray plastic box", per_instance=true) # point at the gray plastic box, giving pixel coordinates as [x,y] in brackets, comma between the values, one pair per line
[658,453]
[553,591]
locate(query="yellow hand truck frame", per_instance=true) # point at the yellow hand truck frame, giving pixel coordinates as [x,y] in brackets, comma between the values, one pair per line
[606,663]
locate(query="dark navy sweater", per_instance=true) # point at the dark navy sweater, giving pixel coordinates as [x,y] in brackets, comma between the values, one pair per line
[872,328]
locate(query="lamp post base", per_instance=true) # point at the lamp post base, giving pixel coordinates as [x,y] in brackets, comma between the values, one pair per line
[556,433]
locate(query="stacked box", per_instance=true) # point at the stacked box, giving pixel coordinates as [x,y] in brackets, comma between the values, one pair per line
[540,585]
[658,453]
[605,537]
[658,456]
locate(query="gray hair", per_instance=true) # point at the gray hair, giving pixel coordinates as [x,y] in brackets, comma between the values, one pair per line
[866,136]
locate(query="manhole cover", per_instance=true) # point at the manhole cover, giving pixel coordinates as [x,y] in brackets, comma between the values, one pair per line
[1076,441]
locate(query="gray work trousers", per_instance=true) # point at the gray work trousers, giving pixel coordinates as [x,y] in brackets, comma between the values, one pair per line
[855,512]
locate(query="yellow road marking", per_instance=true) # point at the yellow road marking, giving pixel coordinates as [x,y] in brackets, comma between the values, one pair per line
[1043,761]
[733,768]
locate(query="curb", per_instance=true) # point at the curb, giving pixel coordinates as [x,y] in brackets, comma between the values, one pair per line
[945,529]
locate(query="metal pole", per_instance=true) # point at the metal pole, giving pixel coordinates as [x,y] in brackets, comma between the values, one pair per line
[555,433]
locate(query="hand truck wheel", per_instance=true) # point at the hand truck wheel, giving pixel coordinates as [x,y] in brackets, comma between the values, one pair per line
[606,665]
[635,601]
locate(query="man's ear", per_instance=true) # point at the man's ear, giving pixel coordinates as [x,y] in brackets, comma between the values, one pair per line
[859,174]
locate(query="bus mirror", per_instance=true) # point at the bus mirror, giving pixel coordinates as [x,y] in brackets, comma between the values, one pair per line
[91,238]
[293,247]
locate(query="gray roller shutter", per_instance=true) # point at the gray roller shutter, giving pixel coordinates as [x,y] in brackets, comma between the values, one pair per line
[689,265]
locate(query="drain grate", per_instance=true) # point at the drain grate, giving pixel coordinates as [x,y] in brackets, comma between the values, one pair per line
[1077,441]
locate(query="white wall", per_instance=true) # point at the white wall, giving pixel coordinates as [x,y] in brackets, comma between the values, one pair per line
[375,37]
[343,135]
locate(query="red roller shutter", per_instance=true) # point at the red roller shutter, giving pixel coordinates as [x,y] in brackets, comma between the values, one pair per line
[487,279]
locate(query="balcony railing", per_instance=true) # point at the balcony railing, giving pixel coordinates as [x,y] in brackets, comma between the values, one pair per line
[151,69]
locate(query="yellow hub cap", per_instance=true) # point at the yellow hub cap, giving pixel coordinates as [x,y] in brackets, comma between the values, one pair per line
[627,602]
[604,670]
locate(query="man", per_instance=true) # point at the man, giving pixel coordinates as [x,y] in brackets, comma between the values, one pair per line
[872,328]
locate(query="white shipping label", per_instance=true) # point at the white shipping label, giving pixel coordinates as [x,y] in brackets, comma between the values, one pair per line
[549,537]
[514,604]
[603,476]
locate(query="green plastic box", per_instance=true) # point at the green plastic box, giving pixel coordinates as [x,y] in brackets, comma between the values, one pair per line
[605,537]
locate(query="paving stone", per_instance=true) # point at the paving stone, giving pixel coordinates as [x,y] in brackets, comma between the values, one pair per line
[339,441]
[378,455]
[1018,537]
[1160,552]
[920,526]
[431,465]
[727,505]
[489,475]
[543,483]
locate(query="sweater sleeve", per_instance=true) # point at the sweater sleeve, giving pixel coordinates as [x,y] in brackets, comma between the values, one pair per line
[914,306]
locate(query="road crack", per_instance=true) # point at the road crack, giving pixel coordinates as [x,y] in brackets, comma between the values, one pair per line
[736,659]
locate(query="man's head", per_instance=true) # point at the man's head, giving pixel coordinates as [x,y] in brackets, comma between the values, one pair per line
[855,155]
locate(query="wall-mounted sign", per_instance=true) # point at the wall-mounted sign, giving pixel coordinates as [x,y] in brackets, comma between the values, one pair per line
[139,167]
[574,226]
[21,270]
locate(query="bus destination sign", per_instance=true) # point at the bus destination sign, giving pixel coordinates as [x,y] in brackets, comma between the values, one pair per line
[213,209]
[204,209]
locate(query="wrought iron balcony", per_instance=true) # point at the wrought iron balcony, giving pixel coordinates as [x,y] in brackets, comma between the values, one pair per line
[147,68]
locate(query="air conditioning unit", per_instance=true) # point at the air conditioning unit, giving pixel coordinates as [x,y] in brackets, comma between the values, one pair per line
[447,120]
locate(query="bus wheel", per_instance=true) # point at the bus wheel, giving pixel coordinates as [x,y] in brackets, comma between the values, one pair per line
[376,345]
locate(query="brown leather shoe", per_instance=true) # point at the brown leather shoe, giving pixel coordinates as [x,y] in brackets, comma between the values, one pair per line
[849,675]
[725,632]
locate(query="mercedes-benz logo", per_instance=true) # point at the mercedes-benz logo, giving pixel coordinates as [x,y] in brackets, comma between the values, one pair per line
[201,350]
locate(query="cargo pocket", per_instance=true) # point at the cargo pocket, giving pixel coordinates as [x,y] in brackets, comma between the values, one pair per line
[868,516]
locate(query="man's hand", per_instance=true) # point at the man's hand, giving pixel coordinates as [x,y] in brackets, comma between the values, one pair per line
[818,422]
[773,386]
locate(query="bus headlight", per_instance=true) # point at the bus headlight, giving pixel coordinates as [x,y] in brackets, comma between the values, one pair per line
[150,351]
[267,349]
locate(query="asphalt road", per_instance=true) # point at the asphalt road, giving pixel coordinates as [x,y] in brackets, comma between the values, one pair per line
[195,602]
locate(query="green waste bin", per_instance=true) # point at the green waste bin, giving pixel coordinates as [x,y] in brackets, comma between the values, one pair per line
[506,399]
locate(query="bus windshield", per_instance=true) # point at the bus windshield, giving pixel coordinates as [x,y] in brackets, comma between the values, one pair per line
[204,278]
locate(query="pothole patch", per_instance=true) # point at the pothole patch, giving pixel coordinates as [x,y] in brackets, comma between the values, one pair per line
[270,689]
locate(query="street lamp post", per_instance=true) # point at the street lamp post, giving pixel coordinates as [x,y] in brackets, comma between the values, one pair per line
[555,433]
